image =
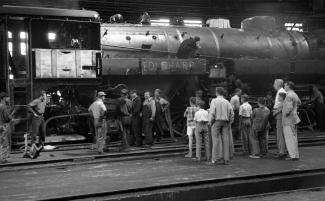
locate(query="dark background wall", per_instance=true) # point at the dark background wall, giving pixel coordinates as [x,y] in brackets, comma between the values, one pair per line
[310,12]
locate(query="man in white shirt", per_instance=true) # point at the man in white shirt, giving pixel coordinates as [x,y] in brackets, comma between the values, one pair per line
[278,86]
[98,111]
[221,116]
[290,120]
[201,119]
[245,125]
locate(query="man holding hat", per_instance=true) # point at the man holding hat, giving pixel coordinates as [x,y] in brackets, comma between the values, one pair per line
[98,111]
[5,119]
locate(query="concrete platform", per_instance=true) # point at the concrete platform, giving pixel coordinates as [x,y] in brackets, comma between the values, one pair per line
[48,183]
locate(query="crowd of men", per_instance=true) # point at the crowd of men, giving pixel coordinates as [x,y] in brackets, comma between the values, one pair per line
[137,117]
[217,126]
[251,126]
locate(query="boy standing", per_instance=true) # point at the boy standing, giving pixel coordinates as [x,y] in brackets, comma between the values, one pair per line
[260,129]
[201,119]
[245,115]
[189,114]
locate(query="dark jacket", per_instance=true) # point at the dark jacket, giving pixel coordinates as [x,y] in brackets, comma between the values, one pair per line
[260,118]
[136,107]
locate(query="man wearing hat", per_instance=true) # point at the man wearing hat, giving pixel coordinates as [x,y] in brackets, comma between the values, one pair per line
[98,111]
[5,131]
[125,107]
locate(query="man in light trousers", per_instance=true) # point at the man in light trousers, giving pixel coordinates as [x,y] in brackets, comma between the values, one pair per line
[220,117]
[278,86]
[290,120]
[98,111]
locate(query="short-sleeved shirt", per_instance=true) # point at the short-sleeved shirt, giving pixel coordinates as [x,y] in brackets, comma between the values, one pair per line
[201,116]
[190,113]
[97,109]
[245,110]
[38,105]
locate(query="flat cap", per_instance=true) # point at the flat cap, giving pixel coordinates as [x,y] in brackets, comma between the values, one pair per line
[101,93]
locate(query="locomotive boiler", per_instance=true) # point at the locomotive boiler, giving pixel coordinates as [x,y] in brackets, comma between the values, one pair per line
[144,58]
[259,49]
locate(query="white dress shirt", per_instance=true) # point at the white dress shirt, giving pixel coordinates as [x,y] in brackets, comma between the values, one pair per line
[245,110]
[201,116]
[276,101]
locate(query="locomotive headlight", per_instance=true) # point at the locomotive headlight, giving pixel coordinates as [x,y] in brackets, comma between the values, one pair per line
[51,36]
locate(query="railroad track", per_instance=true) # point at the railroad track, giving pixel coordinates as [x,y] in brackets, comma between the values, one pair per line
[305,140]
[166,149]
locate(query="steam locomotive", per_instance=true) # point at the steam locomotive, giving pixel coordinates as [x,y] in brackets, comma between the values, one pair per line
[70,54]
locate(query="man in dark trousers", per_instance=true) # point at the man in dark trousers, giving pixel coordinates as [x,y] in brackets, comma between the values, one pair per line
[188,48]
[37,108]
[6,114]
[125,107]
[148,117]
[135,117]
[161,106]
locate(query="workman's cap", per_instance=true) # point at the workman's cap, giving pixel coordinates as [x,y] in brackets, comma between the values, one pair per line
[101,93]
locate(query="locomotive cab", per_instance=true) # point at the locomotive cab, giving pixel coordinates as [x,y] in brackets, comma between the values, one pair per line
[55,50]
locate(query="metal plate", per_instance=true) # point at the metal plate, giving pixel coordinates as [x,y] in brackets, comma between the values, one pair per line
[173,66]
